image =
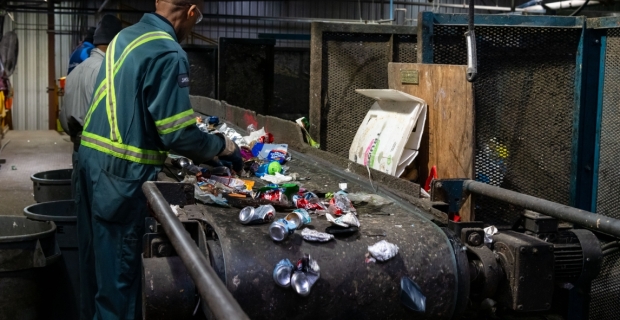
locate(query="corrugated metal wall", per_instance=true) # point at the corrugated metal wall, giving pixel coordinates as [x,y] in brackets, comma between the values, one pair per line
[30,104]
[237,16]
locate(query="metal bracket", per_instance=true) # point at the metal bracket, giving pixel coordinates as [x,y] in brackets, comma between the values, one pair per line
[450,191]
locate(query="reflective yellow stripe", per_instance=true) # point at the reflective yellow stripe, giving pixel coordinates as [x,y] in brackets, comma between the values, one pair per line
[177,116]
[123,151]
[95,103]
[102,90]
[176,122]
[110,96]
[179,126]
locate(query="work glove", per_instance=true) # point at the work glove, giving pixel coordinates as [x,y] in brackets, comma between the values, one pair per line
[232,154]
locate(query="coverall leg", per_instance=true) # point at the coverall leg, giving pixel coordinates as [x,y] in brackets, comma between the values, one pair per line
[116,208]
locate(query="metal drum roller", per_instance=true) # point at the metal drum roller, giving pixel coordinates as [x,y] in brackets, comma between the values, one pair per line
[348,285]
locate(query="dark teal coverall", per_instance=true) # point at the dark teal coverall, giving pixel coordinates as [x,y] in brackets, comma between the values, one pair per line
[140,110]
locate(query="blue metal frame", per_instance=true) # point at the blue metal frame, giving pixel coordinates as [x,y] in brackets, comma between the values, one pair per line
[599,26]
[507,20]
[585,165]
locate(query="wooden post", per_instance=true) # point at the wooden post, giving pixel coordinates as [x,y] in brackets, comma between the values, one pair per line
[448,140]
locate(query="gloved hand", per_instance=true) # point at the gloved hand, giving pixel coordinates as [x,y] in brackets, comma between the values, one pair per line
[232,154]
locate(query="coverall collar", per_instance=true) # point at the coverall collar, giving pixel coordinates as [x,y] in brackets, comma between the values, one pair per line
[159,22]
[97,52]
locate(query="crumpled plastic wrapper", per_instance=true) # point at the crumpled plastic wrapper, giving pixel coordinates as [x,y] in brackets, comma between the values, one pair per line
[205,197]
[368,199]
[316,236]
[277,178]
[411,295]
[488,234]
[233,135]
[345,221]
[175,209]
[350,219]
[254,134]
[383,250]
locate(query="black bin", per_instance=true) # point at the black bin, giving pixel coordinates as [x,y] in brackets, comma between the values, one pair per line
[52,185]
[66,285]
[28,251]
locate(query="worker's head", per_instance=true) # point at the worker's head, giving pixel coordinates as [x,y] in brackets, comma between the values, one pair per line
[90,33]
[108,28]
[182,14]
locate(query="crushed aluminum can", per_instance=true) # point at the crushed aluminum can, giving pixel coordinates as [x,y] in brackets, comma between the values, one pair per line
[262,214]
[282,273]
[383,250]
[313,235]
[304,216]
[281,229]
[298,218]
[300,283]
[306,273]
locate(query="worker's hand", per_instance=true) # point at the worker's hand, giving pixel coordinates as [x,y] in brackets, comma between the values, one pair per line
[232,154]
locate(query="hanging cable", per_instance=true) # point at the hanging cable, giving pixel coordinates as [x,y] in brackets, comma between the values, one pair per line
[580,8]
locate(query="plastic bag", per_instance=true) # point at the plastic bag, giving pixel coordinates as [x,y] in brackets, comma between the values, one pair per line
[205,197]
[411,295]
[372,200]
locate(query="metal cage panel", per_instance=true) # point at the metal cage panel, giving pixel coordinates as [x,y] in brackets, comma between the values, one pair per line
[345,58]
[525,102]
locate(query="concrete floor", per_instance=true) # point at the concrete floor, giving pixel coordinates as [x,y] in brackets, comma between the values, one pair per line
[27,153]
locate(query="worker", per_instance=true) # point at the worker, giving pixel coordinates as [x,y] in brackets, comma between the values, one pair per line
[142,93]
[79,85]
[82,52]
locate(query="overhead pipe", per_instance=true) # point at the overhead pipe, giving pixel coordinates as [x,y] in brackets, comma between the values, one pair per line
[570,4]
[212,290]
[464,6]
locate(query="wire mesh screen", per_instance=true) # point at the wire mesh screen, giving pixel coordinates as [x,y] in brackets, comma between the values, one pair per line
[350,61]
[606,288]
[246,73]
[202,71]
[524,104]
[406,48]
[355,61]
[291,83]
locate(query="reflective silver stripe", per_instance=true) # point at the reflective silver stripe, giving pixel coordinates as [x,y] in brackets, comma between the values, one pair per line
[124,151]
[176,122]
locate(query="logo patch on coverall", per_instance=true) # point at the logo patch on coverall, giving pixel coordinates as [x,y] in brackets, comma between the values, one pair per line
[183,80]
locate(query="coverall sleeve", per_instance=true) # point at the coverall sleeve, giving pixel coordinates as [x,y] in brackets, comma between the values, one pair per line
[173,116]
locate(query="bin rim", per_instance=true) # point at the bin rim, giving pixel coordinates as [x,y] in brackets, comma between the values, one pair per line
[42,217]
[31,236]
[50,181]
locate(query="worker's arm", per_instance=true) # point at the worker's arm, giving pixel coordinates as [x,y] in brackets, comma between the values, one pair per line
[168,103]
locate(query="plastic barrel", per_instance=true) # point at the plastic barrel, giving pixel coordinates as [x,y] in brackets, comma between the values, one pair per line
[28,250]
[52,185]
[66,286]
